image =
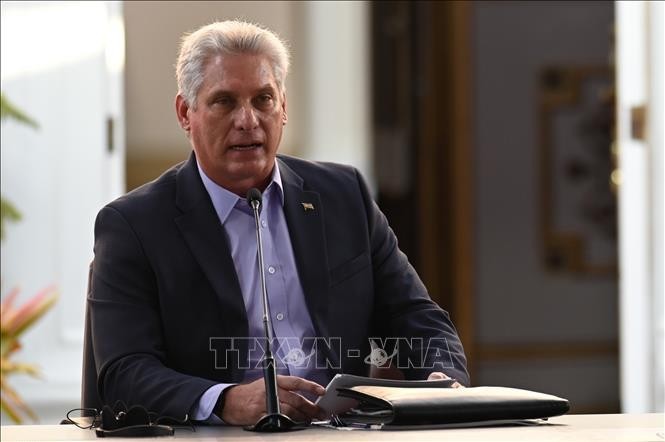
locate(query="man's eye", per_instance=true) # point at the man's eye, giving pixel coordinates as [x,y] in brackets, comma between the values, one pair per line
[224,101]
[265,98]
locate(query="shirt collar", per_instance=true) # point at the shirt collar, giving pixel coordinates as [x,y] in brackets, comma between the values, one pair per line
[224,200]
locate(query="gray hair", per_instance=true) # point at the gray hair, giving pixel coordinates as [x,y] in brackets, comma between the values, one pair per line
[226,37]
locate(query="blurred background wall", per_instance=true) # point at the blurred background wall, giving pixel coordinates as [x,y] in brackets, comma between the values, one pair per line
[505,122]
[542,318]
[489,132]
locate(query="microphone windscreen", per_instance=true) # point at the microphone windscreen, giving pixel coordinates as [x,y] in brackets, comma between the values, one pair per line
[253,194]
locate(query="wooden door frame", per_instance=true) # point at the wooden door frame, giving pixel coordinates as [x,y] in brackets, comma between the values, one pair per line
[445,172]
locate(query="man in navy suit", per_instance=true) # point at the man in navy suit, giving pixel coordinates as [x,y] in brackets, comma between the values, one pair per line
[175,296]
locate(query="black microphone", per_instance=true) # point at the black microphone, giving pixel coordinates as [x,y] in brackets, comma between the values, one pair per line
[274,421]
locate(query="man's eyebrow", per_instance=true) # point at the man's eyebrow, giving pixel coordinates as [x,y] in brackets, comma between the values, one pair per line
[267,89]
[221,92]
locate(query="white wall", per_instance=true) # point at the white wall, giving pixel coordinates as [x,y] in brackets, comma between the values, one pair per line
[62,64]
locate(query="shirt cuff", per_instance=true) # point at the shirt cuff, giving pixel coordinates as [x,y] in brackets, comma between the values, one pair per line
[202,411]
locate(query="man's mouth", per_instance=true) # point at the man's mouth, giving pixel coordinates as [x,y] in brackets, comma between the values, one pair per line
[248,146]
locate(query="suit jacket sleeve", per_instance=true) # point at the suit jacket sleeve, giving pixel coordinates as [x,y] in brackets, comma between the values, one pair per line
[128,340]
[405,315]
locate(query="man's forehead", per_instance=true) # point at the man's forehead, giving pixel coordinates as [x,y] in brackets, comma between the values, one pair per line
[239,62]
[234,70]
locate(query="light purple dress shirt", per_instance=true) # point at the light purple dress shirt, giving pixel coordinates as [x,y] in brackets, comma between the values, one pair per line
[290,318]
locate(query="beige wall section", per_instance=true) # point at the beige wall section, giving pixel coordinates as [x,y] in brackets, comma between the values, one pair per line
[153,31]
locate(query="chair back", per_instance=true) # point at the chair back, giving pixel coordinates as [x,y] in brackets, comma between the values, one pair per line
[89,393]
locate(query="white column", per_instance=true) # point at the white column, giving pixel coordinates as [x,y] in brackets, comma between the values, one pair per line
[656,117]
[640,205]
[337,101]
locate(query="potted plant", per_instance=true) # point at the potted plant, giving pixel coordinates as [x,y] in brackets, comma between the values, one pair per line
[15,320]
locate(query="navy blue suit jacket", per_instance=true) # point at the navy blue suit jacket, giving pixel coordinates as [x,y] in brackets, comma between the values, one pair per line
[164,284]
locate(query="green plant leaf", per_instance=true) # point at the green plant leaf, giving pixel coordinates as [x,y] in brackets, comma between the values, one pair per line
[9,110]
[7,213]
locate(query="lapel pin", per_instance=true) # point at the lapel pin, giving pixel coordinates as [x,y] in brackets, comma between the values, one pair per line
[307,206]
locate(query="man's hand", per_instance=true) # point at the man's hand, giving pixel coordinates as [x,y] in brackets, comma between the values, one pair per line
[437,375]
[244,404]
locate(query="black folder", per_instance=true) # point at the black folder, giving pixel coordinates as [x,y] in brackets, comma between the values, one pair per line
[394,406]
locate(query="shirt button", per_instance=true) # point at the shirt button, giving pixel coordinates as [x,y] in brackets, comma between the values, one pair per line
[264,223]
[271,270]
[280,316]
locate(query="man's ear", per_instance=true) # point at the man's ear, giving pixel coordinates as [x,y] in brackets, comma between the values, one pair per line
[182,112]
[285,118]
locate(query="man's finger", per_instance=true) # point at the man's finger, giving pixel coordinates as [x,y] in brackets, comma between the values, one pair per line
[296,383]
[300,403]
[293,413]
[436,376]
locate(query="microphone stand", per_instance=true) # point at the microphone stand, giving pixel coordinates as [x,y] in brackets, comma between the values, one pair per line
[274,421]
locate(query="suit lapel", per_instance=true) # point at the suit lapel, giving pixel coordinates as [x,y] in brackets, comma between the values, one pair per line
[205,237]
[303,211]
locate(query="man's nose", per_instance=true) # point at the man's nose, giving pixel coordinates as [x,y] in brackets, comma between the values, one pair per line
[245,118]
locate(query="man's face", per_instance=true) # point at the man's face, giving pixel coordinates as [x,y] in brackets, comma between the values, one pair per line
[237,125]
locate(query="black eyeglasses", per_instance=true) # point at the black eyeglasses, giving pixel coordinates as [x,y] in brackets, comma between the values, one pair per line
[121,421]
